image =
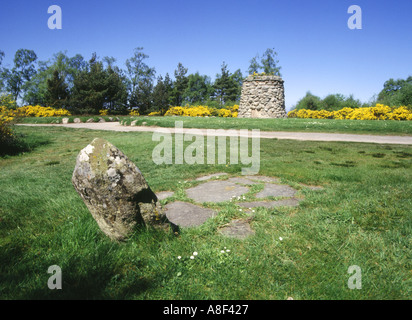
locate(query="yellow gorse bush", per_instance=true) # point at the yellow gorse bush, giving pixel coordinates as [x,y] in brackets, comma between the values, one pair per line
[134,112]
[155,113]
[6,116]
[202,111]
[39,111]
[378,112]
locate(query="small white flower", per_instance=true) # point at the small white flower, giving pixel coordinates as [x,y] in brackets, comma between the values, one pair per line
[179,257]
[192,257]
[224,248]
[253,210]
[240,209]
[227,250]
[280,238]
[195,253]
[222,251]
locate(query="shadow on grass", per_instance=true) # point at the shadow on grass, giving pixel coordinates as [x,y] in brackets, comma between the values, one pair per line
[21,143]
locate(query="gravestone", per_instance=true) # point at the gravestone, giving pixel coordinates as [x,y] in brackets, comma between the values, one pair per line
[262,97]
[115,191]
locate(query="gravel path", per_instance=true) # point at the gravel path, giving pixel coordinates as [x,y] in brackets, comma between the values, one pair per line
[304,136]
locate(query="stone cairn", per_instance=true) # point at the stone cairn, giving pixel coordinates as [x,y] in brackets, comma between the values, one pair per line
[262,97]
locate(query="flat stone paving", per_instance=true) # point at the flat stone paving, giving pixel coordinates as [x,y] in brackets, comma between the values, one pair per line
[164,195]
[238,228]
[270,204]
[216,191]
[276,190]
[185,214]
[210,176]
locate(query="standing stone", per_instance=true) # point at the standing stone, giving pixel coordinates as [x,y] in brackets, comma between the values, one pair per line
[115,191]
[262,97]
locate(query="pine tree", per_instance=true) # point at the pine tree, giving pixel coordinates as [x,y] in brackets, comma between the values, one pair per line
[179,85]
[270,63]
[160,95]
[198,89]
[57,92]
[225,88]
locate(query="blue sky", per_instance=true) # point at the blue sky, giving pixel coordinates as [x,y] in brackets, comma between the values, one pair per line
[317,51]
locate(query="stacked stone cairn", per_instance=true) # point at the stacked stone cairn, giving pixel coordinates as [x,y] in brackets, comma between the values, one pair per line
[262,97]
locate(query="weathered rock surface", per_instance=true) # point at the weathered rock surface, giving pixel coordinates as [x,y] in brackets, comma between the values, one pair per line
[262,97]
[216,191]
[238,228]
[271,204]
[115,191]
[186,214]
[276,190]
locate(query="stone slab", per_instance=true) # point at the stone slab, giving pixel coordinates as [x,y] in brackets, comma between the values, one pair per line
[242,180]
[238,228]
[216,191]
[264,179]
[164,195]
[210,176]
[276,190]
[186,214]
[270,204]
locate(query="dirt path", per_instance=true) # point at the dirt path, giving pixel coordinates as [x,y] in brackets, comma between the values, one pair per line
[303,136]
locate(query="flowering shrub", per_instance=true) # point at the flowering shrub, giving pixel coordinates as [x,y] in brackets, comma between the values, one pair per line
[202,111]
[38,111]
[6,116]
[378,112]
[104,112]
[155,113]
[6,100]
[134,112]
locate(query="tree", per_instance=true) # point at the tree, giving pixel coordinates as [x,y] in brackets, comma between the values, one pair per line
[116,98]
[1,70]
[179,85]
[57,92]
[238,79]
[309,101]
[67,67]
[225,88]
[160,95]
[23,70]
[140,77]
[270,63]
[168,87]
[254,66]
[97,88]
[142,96]
[396,92]
[198,88]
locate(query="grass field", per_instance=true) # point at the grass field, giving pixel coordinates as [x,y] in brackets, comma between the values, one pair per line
[362,217]
[379,127]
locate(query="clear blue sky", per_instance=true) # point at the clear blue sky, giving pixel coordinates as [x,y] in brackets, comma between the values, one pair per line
[317,51]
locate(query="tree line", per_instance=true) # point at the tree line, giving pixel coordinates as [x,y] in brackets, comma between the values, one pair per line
[395,93]
[87,86]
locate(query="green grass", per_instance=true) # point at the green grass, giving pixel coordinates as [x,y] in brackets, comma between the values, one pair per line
[44,120]
[377,127]
[362,217]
